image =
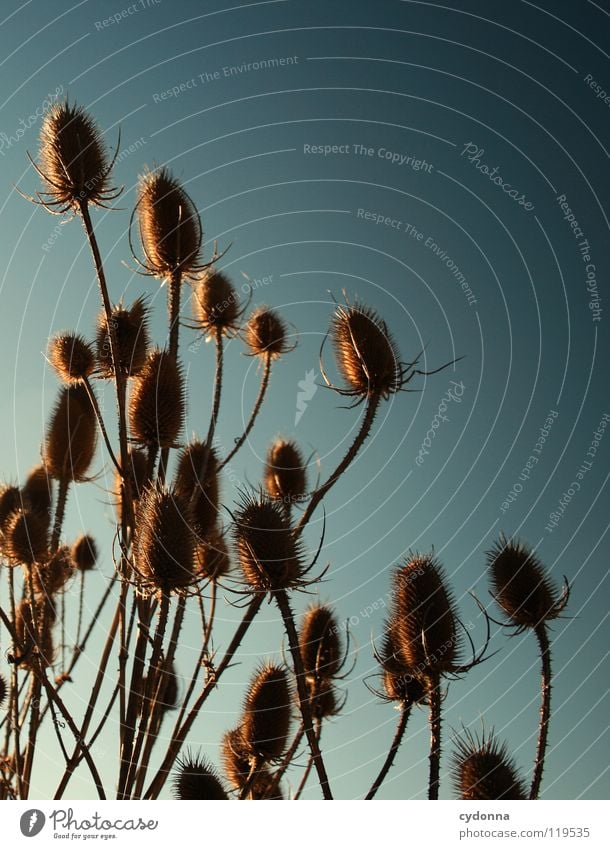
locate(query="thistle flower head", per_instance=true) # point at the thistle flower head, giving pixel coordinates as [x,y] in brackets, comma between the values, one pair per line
[170,228]
[52,576]
[164,543]
[131,331]
[484,770]
[269,556]
[267,713]
[25,538]
[156,408]
[266,333]
[521,585]
[211,557]
[319,643]
[84,553]
[196,778]
[71,436]
[37,492]
[196,481]
[71,357]
[284,475]
[216,305]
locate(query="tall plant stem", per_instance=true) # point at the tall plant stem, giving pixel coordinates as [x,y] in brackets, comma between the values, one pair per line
[180,731]
[101,423]
[307,771]
[545,708]
[293,641]
[60,510]
[405,710]
[15,689]
[434,693]
[174,285]
[372,406]
[254,414]
[37,629]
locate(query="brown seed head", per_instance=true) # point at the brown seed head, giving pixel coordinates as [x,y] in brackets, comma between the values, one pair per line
[399,683]
[71,357]
[3,690]
[268,554]
[84,553]
[284,476]
[484,770]
[34,631]
[156,408]
[51,577]
[170,229]
[235,758]
[10,502]
[37,492]
[71,437]
[323,697]
[131,329]
[263,787]
[164,544]
[319,642]
[266,333]
[197,475]
[211,557]
[25,538]
[267,710]
[138,465]
[216,304]
[366,355]
[197,779]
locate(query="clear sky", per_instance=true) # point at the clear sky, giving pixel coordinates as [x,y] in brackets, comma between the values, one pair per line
[427,158]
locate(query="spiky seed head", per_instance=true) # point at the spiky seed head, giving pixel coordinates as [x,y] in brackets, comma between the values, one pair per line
[266,333]
[426,619]
[269,556]
[235,758]
[51,577]
[71,357]
[84,553]
[216,305]
[3,690]
[170,229]
[25,538]
[366,354]
[156,408]
[131,330]
[71,436]
[399,682]
[10,502]
[197,475]
[319,642]
[284,476]
[37,491]
[263,787]
[196,778]
[164,543]
[212,557]
[484,770]
[267,709]
[322,696]
[34,632]
[73,158]
[520,584]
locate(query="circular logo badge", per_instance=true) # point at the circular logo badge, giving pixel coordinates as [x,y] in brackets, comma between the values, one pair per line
[32,822]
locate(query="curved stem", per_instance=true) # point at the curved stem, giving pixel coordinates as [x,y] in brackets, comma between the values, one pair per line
[255,411]
[434,693]
[545,708]
[293,641]
[405,710]
[101,424]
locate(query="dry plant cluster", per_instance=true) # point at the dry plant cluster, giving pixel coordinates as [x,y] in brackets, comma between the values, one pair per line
[173,549]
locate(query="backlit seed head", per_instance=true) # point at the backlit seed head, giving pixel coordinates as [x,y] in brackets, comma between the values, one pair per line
[263,787]
[284,476]
[156,408]
[34,632]
[138,466]
[268,554]
[71,437]
[73,159]
[426,620]
[84,553]
[164,544]
[216,305]
[25,538]
[196,778]
[521,585]
[131,330]
[322,696]
[170,228]
[399,683]
[71,357]
[3,690]
[197,475]
[266,333]
[51,577]
[37,492]
[484,770]
[10,502]
[319,642]
[235,758]
[366,355]
[211,557]
[267,713]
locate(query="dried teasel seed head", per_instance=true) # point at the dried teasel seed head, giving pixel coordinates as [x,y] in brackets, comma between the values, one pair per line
[235,758]
[216,305]
[131,330]
[164,544]
[10,502]
[51,577]
[319,642]
[521,585]
[267,713]
[34,632]
[156,408]
[71,436]
[211,557]
[170,228]
[25,538]
[484,770]
[366,355]
[3,690]
[37,492]
[71,357]
[73,159]
[284,476]
[399,683]
[84,553]
[263,787]
[426,620]
[269,556]
[138,466]
[196,481]
[266,333]
[196,778]
[323,697]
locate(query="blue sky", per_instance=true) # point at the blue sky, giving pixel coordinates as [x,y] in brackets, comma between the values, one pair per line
[297,128]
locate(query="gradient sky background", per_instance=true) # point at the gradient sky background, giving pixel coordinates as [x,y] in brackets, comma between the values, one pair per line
[413,78]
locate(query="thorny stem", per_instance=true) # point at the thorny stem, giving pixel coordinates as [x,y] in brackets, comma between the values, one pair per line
[81,604]
[15,689]
[173,310]
[405,710]
[305,775]
[434,692]
[293,641]
[255,411]
[60,510]
[100,421]
[545,708]
[36,631]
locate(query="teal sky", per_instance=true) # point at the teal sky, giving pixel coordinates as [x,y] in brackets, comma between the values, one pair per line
[240,102]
